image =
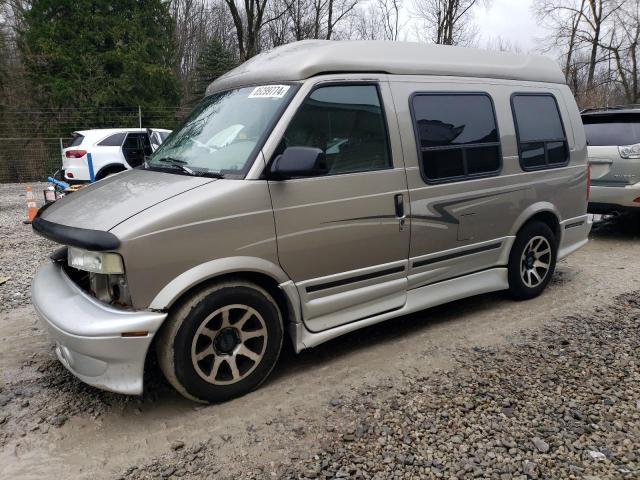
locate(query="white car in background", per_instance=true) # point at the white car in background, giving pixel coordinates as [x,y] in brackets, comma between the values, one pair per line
[112,150]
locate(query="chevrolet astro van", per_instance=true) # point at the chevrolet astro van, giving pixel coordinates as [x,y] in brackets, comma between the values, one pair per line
[318,188]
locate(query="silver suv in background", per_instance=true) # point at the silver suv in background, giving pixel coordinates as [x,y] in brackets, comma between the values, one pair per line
[317,189]
[613,140]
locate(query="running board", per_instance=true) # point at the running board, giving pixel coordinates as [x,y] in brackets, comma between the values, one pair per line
[418,299]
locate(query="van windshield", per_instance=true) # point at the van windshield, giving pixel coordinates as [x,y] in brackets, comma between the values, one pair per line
[224,132]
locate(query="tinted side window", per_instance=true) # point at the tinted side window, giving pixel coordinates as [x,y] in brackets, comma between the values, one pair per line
[347,123]
[76,141]
[542,142]
[457,135]
[113,140]
[612,130]
[132,141]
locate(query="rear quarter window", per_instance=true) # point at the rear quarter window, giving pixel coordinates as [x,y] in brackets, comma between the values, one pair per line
[114,140]
[76,141]
[542,142]
[612,130]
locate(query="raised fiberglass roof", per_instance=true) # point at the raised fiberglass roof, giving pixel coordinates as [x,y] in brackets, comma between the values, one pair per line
[301,60]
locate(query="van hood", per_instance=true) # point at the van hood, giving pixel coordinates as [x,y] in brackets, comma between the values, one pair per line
[111,201]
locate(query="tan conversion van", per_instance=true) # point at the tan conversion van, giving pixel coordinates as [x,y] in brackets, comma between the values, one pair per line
[318,188]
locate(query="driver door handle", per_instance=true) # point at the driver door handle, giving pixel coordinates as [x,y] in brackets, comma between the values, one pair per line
[398,200]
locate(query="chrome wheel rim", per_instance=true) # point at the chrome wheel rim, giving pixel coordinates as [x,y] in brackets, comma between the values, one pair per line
[229,344]
[535,261]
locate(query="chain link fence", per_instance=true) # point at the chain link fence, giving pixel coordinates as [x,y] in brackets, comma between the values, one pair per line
[31,140]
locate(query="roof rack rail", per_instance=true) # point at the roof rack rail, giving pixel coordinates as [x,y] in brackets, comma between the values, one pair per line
[628,106]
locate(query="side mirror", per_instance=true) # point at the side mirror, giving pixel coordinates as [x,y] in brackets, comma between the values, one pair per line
[299,162]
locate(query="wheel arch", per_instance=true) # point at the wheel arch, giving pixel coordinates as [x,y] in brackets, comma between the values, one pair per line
[110,168]
[263,273]
[544,212]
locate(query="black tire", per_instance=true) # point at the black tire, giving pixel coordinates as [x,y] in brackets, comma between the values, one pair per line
[186,334]
[518,286]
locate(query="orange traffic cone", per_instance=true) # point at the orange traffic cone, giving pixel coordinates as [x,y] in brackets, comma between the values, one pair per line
[32,207]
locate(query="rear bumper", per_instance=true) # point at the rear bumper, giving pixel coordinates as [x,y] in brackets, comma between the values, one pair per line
[89,335]
[574,234]
[78,169]
[604,199]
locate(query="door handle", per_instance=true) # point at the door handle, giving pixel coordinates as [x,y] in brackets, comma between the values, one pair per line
[398,200]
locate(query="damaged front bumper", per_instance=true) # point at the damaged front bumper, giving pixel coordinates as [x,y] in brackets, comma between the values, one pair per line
[101,345]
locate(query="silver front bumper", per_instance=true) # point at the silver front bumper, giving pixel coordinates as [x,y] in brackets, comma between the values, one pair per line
[89,334]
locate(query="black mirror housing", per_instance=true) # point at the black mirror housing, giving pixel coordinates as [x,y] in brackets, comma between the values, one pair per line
[297,162]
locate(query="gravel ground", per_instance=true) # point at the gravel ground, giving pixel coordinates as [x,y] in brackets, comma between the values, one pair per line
[561,402]
[49,397]
[20,252]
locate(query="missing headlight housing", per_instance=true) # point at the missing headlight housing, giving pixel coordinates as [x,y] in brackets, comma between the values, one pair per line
[105,272]
[112,289]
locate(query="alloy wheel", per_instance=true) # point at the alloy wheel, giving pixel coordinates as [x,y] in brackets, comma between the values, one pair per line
[229,344]
[535,261]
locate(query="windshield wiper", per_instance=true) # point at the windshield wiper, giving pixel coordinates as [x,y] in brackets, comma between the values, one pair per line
[211,174]
[181,164]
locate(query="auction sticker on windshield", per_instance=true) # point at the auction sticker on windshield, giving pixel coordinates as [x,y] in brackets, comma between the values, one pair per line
[269,91]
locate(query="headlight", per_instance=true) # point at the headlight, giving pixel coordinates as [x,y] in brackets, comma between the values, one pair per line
[630,151]
[96,262]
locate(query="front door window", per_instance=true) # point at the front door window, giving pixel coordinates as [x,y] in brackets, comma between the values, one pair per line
[347,123]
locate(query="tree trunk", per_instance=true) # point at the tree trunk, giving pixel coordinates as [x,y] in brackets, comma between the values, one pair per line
[330,20]
[572,41]
[596,12]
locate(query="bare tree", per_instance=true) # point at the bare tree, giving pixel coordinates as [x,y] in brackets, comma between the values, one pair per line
[579,23]
[446,22]
[389,14]
[501,44]
[364,25]
[337,11]
[198,22]
[599,12]
[307,19]
[249,19]
[376,20]
[623,39]
[563,20]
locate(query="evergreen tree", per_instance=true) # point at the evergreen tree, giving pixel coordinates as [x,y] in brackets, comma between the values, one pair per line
[3,69]
[215,60]
[100,53]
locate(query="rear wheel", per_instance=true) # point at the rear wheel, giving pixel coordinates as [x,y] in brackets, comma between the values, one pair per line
[532,260]
[222,342]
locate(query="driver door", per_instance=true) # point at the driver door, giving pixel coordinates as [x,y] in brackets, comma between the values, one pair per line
[343,237]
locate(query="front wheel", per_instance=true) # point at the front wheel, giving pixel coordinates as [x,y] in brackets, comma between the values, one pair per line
[222,342]
[532,260]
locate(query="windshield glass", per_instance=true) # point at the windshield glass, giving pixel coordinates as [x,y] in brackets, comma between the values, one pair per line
[223,133]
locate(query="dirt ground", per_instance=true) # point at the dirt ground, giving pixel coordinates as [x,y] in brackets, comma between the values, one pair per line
[52,426]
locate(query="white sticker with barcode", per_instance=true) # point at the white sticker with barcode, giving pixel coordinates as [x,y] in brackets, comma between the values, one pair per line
[269,91]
